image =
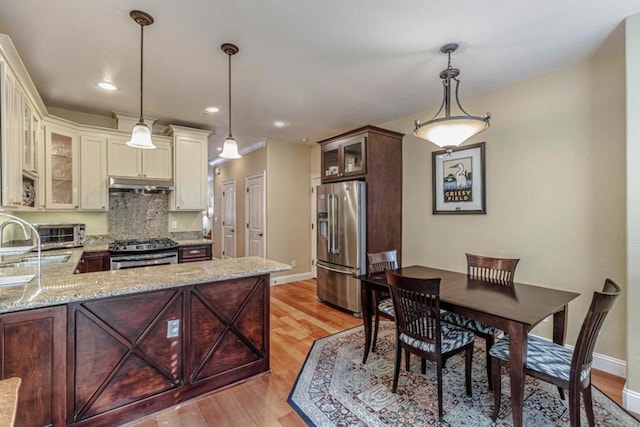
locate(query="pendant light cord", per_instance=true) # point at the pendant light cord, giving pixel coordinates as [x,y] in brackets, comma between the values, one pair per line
[229,95]
[141,73]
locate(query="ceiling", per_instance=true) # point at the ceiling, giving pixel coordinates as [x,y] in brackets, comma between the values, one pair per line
[321,67]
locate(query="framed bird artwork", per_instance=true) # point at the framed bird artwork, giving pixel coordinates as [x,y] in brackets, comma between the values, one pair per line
[459,180]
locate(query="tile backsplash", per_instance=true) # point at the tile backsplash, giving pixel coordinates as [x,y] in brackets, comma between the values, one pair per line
[135,216]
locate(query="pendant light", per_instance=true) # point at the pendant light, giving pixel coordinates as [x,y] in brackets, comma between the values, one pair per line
[230,148]
[141,134]
[450,131]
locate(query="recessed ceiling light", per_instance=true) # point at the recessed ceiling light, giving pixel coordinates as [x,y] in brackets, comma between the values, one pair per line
[212,110]
[278,124]
[305,139]
[107,86]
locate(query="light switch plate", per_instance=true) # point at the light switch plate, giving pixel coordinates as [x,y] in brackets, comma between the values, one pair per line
[173,328]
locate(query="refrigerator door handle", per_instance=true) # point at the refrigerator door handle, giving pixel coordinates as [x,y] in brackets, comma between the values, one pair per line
[319,264]
[330,233]
[334,240]
[329,225]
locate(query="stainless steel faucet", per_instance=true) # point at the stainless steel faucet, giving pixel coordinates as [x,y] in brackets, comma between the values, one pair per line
[11,221]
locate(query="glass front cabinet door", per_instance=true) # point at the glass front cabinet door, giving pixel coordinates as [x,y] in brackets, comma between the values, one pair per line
[61,150]
[344,158]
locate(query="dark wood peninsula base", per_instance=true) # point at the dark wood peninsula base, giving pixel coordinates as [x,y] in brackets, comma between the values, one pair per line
[121,360]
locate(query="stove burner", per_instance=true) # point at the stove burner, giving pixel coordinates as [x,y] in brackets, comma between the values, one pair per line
[141,245]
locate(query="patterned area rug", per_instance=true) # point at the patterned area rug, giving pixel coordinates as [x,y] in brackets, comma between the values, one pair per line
[334,388]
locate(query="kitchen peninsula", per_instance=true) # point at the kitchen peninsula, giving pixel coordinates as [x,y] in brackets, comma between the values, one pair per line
[107,347]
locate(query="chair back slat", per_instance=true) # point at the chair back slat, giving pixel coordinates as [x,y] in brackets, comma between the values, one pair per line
[601,304]
[490,268]
[381,261]
[417,307]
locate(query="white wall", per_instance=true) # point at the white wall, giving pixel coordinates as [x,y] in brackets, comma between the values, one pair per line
[632,40]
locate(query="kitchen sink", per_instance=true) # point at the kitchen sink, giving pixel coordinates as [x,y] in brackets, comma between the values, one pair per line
[16,280]
[32,260]
[45,259]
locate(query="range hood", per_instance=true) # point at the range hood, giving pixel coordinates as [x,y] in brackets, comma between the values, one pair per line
[140,185]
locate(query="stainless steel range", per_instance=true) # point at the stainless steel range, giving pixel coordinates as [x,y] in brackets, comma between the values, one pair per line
[142,253]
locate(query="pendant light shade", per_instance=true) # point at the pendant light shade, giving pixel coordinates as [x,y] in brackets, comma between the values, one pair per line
[450,131]
[141,134]
[141,137]
[230,148]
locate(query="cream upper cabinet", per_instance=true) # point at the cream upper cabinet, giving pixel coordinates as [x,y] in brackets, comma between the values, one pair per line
[30,137]
[11,128]
[131,162]
[190,166]
[94,190]
[157,163]
[21,132]
[61,164]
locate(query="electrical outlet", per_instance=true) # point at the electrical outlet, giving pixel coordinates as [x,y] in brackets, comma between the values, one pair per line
[293,263]
[174,225]
[173,328]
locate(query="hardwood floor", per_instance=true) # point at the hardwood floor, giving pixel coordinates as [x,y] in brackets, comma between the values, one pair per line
[297,319]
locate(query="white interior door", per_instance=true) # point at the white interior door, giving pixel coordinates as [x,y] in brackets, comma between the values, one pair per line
[255,208]
[315,181]
[229,218]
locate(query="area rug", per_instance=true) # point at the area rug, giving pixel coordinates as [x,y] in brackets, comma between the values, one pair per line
[334,388]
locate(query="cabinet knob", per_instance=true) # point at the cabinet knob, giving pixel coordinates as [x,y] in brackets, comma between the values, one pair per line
[103,207]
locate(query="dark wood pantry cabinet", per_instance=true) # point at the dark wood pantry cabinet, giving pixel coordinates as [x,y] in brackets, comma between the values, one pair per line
[373,155]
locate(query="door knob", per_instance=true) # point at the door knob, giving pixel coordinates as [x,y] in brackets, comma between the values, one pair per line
[259,234]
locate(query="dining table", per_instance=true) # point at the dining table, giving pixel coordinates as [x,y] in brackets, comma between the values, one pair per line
[514,308]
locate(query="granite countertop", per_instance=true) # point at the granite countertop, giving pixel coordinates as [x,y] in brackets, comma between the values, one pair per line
[104,246]
[193,242]
[8,400]
[59,284]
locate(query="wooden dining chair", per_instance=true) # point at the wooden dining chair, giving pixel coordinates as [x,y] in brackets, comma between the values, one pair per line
[419,330]
[558,365]
[497,270]
[378,263]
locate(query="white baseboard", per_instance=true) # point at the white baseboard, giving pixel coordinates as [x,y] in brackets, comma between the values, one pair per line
[631,400]
[610,365]
[280,280]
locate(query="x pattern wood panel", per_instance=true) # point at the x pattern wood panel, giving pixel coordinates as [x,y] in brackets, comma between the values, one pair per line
[122,352]
[231,315]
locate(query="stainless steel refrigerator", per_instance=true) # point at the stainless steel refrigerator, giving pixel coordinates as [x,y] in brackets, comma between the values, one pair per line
[341,243]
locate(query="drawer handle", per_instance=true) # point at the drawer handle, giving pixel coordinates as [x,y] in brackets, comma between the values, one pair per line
[194,251]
